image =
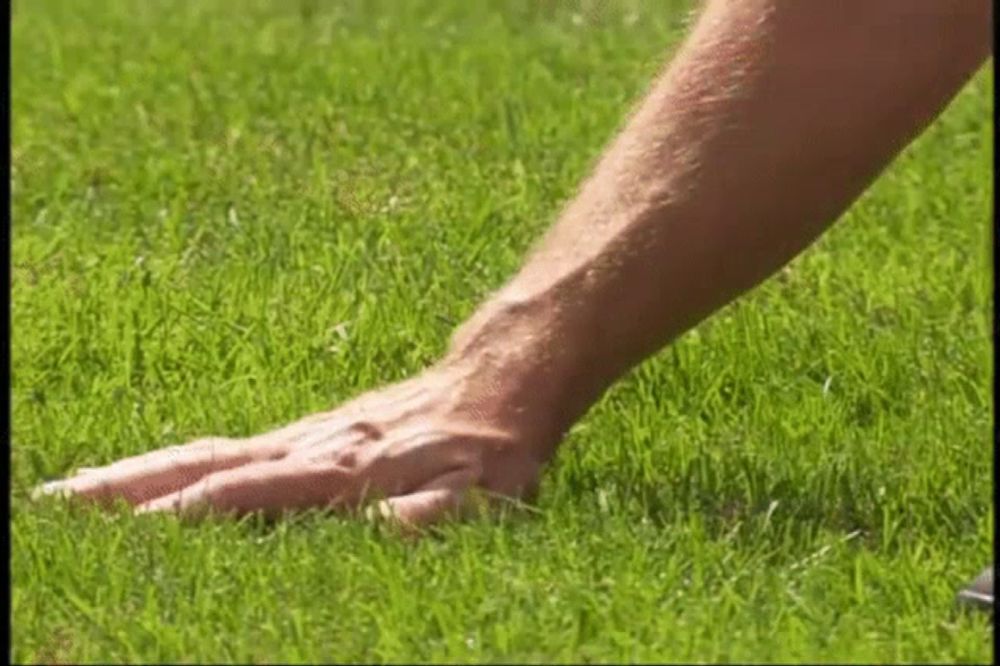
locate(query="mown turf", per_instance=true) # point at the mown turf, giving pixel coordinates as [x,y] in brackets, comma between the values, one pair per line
[228,214]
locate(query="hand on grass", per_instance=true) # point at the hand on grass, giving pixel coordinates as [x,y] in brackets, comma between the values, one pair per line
[420,448]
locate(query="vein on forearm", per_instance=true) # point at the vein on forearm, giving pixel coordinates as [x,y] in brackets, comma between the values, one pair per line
[767,124]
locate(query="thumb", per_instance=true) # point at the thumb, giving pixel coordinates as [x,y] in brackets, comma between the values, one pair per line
[441,498]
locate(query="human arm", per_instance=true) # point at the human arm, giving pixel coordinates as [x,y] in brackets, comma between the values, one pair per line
[766,125]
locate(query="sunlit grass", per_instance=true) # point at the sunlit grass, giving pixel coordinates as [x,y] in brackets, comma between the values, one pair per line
[227,215]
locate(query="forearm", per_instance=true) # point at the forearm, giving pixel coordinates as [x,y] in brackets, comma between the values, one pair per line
[768,123]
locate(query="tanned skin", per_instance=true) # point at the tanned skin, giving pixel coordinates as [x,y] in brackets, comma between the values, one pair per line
[773,117]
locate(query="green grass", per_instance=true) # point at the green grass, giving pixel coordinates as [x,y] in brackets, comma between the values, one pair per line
[203,191]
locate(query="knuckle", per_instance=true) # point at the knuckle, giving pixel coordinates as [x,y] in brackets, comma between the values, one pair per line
[347,459]
[367,429]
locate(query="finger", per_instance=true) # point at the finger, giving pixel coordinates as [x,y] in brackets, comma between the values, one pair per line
[270,487]
[142,478]
[444,497]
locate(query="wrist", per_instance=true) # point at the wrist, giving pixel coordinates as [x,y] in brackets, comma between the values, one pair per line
[523,365]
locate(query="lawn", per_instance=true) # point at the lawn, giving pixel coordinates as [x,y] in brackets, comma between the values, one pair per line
[227,215]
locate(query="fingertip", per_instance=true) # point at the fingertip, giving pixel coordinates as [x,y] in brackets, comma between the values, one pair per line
[145,508]
[422,509]
[385,512]
[51,489]
[158,505]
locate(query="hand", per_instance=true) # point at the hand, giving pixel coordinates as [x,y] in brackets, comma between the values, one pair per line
[419,446]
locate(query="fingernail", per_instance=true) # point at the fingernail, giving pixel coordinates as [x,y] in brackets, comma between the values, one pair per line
[156,506]
[379,511]
[50,488]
